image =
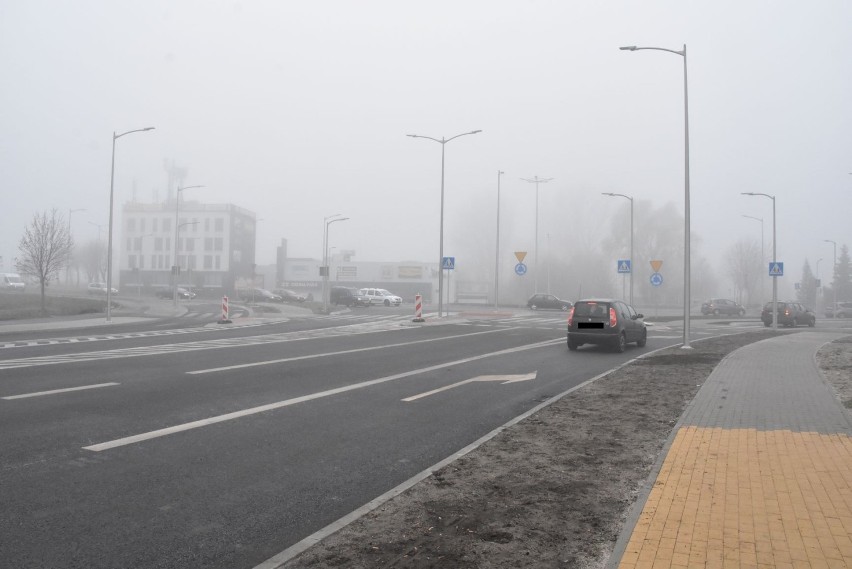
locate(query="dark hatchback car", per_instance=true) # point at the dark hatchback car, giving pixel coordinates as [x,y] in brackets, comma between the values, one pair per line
[608,322]
[182,293]
[348,297]
[539,300]
[789,314]
[719,306]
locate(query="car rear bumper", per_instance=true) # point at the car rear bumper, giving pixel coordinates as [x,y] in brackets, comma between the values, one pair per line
[608,336]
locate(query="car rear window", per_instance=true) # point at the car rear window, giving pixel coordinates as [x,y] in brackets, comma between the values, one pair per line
[781,305]
[593,309]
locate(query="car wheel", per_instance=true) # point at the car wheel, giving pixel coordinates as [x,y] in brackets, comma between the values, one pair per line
[533,307]
[572,345]
[621,343]
[794,323]
[767,324]
[812,323]
[387,303]
[643,340]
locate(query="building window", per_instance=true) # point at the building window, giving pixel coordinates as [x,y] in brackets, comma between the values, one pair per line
[217,244]
[208,262]
[218,263]
[158,244]
[219,225]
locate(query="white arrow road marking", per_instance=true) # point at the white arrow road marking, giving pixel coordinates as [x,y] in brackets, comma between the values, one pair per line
[54,391]
[503,378]
[269,407]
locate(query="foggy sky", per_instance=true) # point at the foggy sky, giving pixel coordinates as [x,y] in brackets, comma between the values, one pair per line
[299,110]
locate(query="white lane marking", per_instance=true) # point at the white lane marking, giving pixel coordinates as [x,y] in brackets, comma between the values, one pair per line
[270,406]
[480,378]
[341,352]
[54,391]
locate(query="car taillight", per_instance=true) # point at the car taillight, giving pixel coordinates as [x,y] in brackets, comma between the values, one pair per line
[612,319]
[571,317]
[787,312]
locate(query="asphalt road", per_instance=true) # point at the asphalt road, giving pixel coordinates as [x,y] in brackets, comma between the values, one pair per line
[206,446]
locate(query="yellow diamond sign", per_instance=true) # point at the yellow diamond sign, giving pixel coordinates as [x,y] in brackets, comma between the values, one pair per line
[655,265]
[520,255]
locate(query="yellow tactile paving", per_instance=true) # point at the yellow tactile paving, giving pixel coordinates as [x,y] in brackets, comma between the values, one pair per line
[748,499]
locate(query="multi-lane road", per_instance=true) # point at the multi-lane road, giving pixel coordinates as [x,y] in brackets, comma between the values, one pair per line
[182,443]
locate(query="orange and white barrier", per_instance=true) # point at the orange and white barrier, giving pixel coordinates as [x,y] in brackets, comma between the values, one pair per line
[418,308]
[225,311]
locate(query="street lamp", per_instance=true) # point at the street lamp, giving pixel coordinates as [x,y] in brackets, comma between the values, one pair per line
[762,255]
[631,239]
[834,275]
[774,259]
[536,180]
[109,241]
[174,269]
[497,244]
[327,221]
[686,237]
[443,142]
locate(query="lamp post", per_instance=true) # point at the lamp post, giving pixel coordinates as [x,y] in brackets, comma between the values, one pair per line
[327,221]
[177,236]
[443,142]
[834,275]
[536,180]
[762,255]
[686,237]
[774,259]
[631,238]
[109,241]
[497,245]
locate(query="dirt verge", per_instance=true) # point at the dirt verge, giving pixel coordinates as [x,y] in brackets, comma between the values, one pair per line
[553,490]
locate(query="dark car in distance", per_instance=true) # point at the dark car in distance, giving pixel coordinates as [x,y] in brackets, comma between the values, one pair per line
[258,295]
[790,313]
[348,296]
[540,300]
[182,293]
[719,306]
[605,321]
[288,295]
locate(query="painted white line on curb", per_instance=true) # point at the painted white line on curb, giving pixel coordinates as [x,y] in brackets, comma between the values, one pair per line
[54,391]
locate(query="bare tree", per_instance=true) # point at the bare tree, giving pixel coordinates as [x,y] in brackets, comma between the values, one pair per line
[45,248]
[744,266]
[92,257]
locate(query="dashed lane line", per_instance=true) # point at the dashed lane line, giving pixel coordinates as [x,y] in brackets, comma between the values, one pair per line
[55,391]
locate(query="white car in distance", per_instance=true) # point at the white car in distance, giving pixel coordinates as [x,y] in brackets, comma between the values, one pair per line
[381,296]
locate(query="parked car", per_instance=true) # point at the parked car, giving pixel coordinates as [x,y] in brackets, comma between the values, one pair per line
[789,314]
[347,296]
[381,296]
[605,321]
[842,310]
[100,288]
[719,306]
[540,300]
[288,295]
[258,295]
[182,293]
[12,282]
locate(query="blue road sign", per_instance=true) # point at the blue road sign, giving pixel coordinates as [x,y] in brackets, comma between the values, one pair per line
[656,279]
[520,269]
[776,269]
[624,265]
[448,263]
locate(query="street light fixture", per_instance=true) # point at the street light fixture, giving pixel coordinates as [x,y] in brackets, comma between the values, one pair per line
[109,241]
[443,142]
[327,221]
[536,180]
[686,237]
[834,275]
[632,268]
[774,259]
[177,236]
[762,255]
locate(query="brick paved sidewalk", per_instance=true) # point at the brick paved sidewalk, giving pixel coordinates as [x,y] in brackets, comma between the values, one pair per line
[758,473]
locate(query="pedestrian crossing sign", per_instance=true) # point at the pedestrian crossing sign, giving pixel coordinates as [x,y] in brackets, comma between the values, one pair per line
[448,263]
[624,265]
[776,269]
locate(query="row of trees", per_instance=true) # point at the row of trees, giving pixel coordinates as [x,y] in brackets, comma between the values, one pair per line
[841,281]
